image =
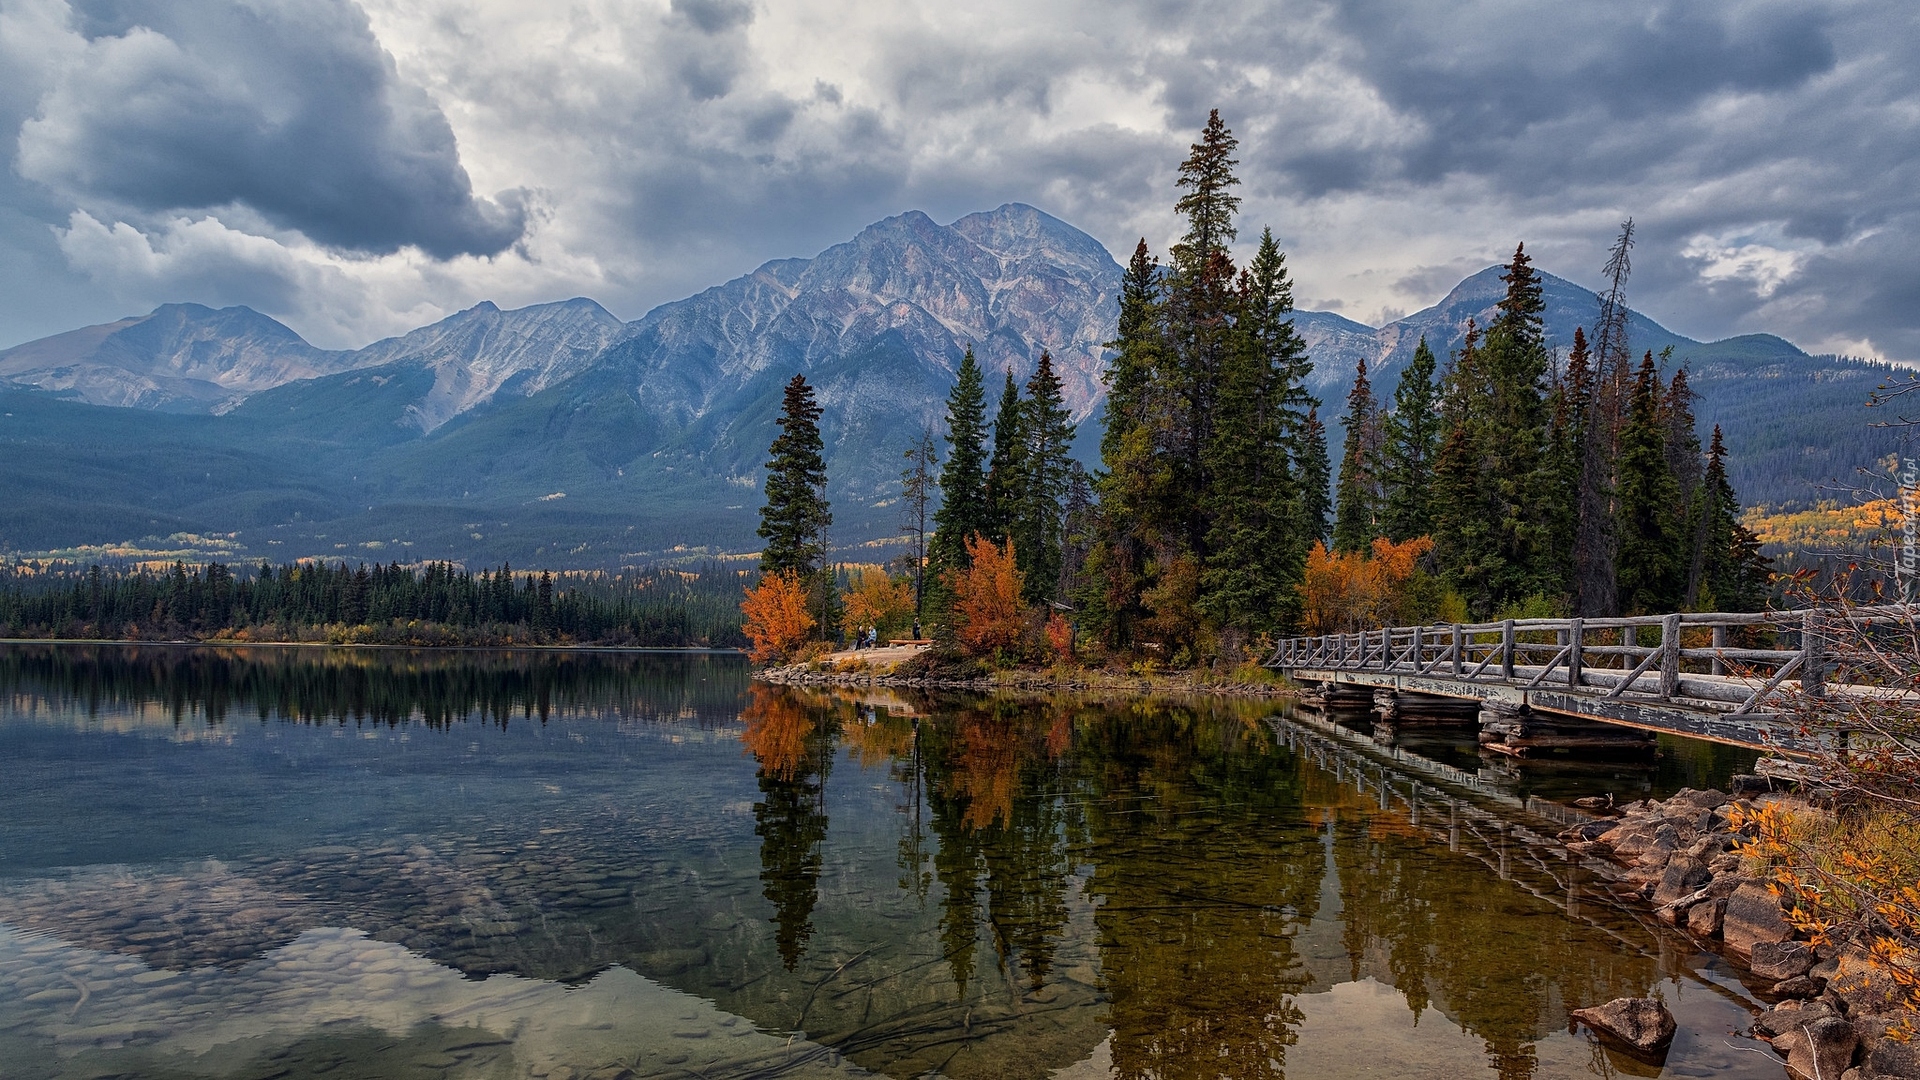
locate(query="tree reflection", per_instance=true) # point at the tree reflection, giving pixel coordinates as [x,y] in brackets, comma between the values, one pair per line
[795,753]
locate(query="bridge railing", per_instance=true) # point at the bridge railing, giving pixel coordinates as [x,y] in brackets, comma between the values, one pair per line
[1712,659]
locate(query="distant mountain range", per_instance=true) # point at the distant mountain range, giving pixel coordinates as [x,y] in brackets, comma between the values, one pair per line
[559,435]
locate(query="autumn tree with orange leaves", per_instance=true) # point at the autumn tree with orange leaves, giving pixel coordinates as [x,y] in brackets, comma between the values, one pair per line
[1347,591]
[988,616]
[778,623]
[878,601]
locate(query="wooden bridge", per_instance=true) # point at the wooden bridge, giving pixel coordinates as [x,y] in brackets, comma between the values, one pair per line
[1709,676]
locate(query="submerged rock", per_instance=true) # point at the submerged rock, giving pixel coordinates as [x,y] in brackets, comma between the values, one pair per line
[1642,1023]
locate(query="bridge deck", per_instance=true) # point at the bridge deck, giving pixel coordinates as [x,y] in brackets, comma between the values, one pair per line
[1724,677]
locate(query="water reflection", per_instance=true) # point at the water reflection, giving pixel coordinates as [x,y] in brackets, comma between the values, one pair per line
[667,878]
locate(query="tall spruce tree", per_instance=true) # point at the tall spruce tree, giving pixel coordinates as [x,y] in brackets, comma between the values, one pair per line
[1007,468]
[1047,426]
[1357,501]
[1651,572]
[963,492]
[1255,548]
[1316,480]
[1565,466]
[794,521]
[1136,495]
[1734,575]
[1412,435]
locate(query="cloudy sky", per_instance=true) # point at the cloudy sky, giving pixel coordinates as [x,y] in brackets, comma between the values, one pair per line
[358,169]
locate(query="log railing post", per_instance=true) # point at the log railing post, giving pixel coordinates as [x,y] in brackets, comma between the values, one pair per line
[1670,656]
[1459,662]
[1719,642]
[1627,660]
[1418,637]
[1506,649]
[1575,661]
[1812,678]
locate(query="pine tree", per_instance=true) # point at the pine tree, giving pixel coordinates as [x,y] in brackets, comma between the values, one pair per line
[1734,575]
[1565,465]
[1137,497]
[963,508]
[1007,468]
[1316,478]
[1255,547]
[1047,428]
[1357,502]
[795,519]
[1412,436]
[1650,572]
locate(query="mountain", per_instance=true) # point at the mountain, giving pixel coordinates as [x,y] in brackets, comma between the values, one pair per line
[557,435]
[180,358]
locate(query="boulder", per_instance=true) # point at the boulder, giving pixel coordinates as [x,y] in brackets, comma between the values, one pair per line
[1780,960]
[1895,1059]
[1753,915]
[1788,1015]
[1818,1048]
[1666,841]
[1692,799]
[1800,986]
[1592,830]
[1703,919]
[1641,1023]
[1684,875]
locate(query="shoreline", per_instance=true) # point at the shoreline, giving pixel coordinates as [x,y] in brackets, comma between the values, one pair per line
[1022,680]
[1830,1011]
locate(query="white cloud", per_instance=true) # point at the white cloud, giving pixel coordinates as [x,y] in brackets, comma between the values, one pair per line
[1759,266]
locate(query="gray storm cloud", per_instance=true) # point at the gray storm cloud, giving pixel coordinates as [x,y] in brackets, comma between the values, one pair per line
[292,111]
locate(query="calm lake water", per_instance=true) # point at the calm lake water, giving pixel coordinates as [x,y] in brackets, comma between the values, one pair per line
[289,863]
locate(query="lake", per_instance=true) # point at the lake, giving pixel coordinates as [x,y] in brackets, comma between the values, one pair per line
[265,863]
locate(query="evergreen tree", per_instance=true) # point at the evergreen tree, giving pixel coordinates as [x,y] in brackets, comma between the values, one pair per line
[1006,470]
[1048,429]
[1137,496]
[1650,572]
[963,494]
[1316,479]
[1412,438]
[1734,575]
[795,519]
[1357,502]
[1565,466]
[1256,549]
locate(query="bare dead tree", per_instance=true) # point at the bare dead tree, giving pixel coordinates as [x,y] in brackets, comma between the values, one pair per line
[1594,540]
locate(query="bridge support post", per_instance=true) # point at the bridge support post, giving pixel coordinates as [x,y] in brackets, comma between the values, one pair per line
[1506,649]
[1386,704]
[1459,661]
[1575,632]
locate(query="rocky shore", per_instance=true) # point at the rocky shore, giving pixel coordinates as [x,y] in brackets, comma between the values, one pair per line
[1832,1010]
